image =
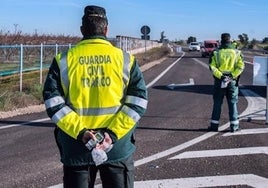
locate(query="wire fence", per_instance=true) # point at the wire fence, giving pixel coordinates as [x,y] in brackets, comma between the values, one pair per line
[17,60]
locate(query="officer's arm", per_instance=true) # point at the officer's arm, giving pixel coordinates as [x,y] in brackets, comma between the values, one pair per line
[213,66]
[60,113]
[134,104]
[137,87]
[240,66]
[52,88]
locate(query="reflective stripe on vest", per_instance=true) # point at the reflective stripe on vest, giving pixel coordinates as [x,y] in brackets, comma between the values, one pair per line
[96,111]
[131,113]
[214,121]
[64,72]
[66,110]
[136,101]
[61,113]
[102,111]
[54,101]
[125,69]
[218,59]
[112,110]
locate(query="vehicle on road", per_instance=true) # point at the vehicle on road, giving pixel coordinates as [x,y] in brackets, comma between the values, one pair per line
[208,47]
[194,46]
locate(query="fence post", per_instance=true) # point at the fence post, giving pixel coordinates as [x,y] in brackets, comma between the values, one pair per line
[56,51]
[21,65]
[41,63]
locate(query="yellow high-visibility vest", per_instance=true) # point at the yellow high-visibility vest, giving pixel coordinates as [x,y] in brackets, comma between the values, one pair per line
[94,77]
[227,61]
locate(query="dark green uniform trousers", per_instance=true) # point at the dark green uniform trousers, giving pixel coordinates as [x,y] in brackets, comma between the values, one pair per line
[113,175]
[231,93]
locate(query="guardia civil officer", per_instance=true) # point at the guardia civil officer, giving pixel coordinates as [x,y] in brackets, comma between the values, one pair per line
[226,64]
[95,94]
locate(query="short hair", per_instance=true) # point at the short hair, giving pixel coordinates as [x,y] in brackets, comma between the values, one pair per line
[225,38]
[94,21]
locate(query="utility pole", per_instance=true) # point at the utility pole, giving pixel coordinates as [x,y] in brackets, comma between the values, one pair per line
[16,25]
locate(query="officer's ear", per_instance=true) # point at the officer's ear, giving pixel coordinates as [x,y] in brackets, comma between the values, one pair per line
[106,31]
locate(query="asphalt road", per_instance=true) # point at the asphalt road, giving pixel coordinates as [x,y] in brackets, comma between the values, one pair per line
[174,148]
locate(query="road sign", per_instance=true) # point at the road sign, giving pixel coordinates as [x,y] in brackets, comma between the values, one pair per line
[145,37]
[260,74]
[260,70]
[145,30]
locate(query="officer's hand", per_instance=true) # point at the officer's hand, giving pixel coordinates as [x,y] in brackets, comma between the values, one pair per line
[106,144]
[87,136]
[223,77]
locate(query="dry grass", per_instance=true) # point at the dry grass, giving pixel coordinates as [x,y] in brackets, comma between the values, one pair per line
[152,55]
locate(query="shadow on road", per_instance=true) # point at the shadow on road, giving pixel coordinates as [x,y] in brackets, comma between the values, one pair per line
[208,89]
[27,123]
[172,129]
[201,89]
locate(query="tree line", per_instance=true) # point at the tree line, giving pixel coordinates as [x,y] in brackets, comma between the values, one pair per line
[7,38]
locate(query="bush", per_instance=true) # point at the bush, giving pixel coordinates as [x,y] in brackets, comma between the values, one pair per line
[13,100]
[152,55]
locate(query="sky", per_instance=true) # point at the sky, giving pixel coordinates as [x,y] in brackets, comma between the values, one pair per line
[178,19]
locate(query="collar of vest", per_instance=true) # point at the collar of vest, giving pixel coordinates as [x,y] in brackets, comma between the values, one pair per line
[95,37]
[95,40]
[224,46]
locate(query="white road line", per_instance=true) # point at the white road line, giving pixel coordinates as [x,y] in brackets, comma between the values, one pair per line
[221,152]
[24,123]
[173,86]
[256,108]
[174,149]
[248,131]
[201,63]
[208,181]
[164,72]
